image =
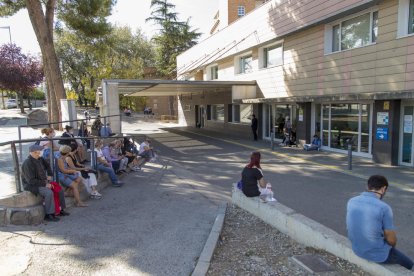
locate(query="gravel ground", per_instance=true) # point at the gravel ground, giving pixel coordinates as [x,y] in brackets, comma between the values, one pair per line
[248,246]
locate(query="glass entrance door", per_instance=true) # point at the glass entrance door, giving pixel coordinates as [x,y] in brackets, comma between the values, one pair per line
[274,117]
[344,122]
[406,143]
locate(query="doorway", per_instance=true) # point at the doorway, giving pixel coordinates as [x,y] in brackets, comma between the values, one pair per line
[274,117]
[406,135]
[200,112]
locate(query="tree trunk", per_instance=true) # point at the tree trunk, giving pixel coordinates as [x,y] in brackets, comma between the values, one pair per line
[43,28]
[21,104]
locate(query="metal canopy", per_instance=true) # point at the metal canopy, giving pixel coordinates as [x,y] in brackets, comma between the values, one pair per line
[173,87]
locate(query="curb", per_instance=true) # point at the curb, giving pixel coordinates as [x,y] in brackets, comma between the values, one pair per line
[310,233]
[204,261]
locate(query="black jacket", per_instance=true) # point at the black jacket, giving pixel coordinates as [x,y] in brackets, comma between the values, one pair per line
[34,174]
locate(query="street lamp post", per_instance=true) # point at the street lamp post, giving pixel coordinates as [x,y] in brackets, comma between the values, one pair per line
[2,92]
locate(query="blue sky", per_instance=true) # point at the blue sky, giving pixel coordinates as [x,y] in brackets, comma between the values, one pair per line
[126,12]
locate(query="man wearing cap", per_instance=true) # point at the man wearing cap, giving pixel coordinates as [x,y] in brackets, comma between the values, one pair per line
[36,174]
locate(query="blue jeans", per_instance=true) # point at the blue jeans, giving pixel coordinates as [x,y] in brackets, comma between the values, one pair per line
[109,171]
[397,257]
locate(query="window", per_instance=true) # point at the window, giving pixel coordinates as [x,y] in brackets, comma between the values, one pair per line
[245,64]
[241,11]
[272,56]
[411,18]
[214,72]
[405,17]
[242,113]
[217,112]
[353,33]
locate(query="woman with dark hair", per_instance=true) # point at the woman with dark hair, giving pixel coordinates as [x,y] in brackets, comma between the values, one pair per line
[252,176]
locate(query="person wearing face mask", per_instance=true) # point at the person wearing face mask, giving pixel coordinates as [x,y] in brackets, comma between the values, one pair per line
[69,134]
[370,226]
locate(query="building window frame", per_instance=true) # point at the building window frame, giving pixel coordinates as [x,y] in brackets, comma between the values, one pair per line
[241,11]
[266,51]
[241,113]
[335,32]
[243,63]
[405,18]
[212,72]
[217,112]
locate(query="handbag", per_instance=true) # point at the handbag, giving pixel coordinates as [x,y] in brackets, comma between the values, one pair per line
[85,174]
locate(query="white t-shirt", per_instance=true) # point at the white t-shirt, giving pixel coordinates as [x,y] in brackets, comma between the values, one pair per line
[99,153]
[142,147]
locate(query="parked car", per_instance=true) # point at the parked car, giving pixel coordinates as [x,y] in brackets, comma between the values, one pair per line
[11,103]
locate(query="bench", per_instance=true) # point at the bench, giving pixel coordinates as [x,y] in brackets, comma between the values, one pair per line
[309,232]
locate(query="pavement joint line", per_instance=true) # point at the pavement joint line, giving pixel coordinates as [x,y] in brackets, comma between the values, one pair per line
[330,167]
[206,255]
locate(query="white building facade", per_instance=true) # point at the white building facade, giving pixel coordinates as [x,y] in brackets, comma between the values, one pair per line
[341,69]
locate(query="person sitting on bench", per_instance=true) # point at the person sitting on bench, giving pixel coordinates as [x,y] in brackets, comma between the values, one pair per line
[36,176]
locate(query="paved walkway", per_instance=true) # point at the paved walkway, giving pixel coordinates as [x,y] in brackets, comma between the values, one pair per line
[158,223]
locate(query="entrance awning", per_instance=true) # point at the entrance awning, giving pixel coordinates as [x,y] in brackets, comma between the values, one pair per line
[173,87]
[394,95]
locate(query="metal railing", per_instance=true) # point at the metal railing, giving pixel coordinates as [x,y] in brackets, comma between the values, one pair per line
[50,124]
[18,161]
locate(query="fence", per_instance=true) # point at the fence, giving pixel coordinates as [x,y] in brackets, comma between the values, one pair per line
[19,128]
[12,155]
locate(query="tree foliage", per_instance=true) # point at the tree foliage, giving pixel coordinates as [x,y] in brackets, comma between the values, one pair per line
[174,36]
[18,72]
[87,17]
[121,54]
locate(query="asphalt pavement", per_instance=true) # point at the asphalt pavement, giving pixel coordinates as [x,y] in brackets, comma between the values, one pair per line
[158,222]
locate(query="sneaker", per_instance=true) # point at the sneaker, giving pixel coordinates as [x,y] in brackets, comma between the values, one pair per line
[136,169]
[96,195]
[118,184]
[51,218]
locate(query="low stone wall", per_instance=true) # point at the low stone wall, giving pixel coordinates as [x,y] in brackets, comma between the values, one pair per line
[27,209]
[310,232]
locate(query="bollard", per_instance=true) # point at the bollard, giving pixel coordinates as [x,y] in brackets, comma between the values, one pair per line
[349,155]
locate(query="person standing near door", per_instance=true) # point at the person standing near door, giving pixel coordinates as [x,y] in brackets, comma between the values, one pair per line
[254,126]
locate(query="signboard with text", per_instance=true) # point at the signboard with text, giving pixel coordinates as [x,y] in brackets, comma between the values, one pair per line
[382,133]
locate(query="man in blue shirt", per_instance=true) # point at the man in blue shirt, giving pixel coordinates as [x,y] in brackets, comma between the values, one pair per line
[370,226]
[106,130]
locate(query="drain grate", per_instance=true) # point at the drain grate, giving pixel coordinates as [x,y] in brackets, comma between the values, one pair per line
[312,263]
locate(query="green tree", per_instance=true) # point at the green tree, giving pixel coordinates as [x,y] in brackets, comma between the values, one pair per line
[174,36]
[87,17]
[120,54]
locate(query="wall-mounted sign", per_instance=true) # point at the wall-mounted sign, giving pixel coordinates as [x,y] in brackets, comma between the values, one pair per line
[382,133]
[386,105]
[300,115]
[408,123]
[382,118]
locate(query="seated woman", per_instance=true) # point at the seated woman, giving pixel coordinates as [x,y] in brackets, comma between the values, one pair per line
[105,165]
[314,145]
[48,145]
[69,134]
[130,152]
[69,178]
[116,153]
[89,178]
[252,176]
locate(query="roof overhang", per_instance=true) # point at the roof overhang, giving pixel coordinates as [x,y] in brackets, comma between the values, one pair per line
[392,95]
[173,87]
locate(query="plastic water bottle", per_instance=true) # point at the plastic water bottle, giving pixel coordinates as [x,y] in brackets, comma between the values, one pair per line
[269,192]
